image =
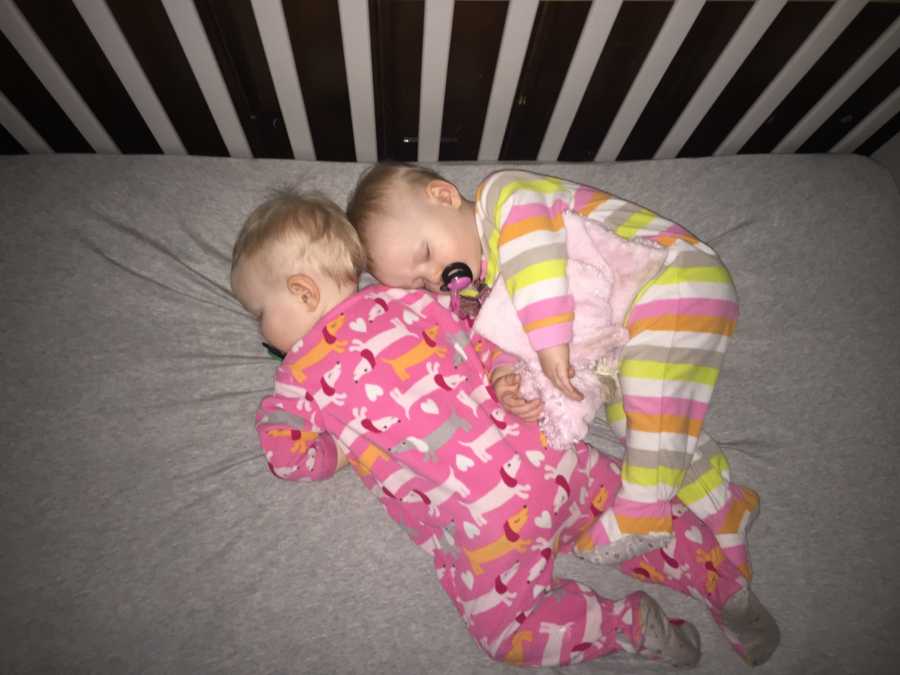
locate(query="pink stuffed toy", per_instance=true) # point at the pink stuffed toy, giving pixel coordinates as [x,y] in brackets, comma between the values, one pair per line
[605,272]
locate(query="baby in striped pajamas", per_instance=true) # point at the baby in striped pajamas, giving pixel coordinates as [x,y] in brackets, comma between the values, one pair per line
[393,382]
[676,318]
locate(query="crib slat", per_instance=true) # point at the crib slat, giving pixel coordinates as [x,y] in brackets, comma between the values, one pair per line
[36,55]
[106,31]
[837,19]
[277,46]
[593,38]
[757,21]
[187,26]
[358,59]
[679,21]
[513,46]
[868,63]
[11,119]
[870,124]
[435,57]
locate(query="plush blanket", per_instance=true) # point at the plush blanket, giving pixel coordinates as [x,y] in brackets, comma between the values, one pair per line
[142,532]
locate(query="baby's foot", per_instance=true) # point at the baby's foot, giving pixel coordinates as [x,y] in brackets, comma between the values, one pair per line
[750,627]
[672,641]
[606,544]
[731,525]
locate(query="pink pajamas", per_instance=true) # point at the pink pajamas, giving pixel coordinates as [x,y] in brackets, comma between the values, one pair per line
[395,379]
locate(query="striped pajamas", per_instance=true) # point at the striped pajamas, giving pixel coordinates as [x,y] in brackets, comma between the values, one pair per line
[679,324]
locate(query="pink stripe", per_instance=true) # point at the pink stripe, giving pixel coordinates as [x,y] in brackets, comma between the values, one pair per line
[666,405]
[546,307]
[685,307]
[535,209]
[551,336]
[583,195]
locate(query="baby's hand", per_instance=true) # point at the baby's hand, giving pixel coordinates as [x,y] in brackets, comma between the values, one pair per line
[556,366]
[506,385]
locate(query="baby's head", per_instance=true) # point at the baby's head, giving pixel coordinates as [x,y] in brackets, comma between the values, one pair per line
[295,258]
[413,223]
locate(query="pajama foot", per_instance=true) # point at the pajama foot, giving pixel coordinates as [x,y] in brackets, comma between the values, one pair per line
[750,627]
[672,641]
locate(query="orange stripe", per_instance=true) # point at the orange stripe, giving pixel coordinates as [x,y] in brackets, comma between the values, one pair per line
[549,321]
[669,239]
[692,324]
[511,231]
[664,423]
[593,203]
[629,525]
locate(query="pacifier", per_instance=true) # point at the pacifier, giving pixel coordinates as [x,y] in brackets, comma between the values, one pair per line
[456,276]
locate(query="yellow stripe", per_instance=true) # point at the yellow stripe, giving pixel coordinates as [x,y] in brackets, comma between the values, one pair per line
[615,412]
[542,185]
[493,261]
[549,321]
[677,275]
[635,223]
[658,370]
[658,475]
[706,482]
[547,269]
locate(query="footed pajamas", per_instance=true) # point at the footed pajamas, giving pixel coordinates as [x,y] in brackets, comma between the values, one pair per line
[392,378]
[678,327]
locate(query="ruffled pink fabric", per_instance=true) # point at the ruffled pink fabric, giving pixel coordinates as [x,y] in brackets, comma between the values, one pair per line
[605,272]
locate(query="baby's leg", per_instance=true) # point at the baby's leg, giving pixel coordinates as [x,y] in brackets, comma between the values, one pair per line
[532,620]
[727,509]
[679,327]
[694,564]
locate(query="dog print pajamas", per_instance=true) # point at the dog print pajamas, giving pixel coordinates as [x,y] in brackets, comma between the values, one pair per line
[393,378]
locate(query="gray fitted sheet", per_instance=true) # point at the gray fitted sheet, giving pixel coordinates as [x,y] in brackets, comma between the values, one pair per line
[141,531]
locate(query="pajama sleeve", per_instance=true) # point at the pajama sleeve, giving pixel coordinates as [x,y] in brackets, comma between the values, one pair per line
[527,237]
[295,448]
[491,355]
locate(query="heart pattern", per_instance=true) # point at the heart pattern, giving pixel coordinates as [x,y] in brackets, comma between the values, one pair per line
[358,325]
[544,521]
[693,534]
[429,406]
[468,579]
[535,457]
[464,462]
[373,392]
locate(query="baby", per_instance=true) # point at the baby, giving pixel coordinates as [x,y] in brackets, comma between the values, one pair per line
[418,228]
[391,381]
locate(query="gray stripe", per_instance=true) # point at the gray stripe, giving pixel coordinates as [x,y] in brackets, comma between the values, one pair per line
[694,258]
[697,357]
[532,256]
[706,449]
[668,458]
[282,417]
[618,217]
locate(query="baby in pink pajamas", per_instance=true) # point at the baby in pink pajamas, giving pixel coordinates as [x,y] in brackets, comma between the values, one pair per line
[392,382]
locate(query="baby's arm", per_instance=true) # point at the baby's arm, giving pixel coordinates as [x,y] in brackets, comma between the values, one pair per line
[295,448]
[528,210]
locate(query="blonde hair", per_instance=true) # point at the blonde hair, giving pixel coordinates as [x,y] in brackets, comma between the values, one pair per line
[370,196]
[304,221]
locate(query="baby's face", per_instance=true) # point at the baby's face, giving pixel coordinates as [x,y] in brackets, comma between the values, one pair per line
[283,318]
[411,247]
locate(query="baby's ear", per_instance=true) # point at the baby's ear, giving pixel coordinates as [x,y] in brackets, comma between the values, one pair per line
[304,289]
[444,193]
